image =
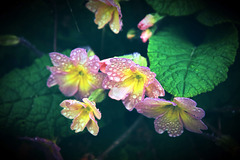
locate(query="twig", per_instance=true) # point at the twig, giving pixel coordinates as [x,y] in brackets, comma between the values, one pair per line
[120,139]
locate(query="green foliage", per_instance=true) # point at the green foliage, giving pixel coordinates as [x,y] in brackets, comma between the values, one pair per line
[186,69]
[176,7]
[28,106]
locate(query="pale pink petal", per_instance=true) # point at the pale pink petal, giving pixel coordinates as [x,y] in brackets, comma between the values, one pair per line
[170,123]
[145,35]
[79,56]
[92,105]
[189,106]
[155,89]
[119,93]
[93,5]
[92,125]
[153,107]
[68,84]
[192,124]
[103,64]
[146,22]
[51,81]
[132,99]
[116,23]
[71,108]
[93,64]
[60,61]
[118,69]
[80,121]
[94,83]
[146,71]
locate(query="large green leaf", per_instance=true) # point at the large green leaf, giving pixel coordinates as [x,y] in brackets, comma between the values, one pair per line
[185,69]
[28,106]
[176,7]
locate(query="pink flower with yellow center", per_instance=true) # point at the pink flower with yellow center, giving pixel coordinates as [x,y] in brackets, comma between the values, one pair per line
[83,115]
[173,116]
[76,76]
[129,81]
[106,11]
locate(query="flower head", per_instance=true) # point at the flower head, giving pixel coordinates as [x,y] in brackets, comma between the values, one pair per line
[149,20]
[106,11]
[145,35]
[173,116]
[83,115]
[129,81]
[77,75]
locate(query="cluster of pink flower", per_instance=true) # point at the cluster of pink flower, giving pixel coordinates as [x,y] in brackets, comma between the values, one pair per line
[135,85]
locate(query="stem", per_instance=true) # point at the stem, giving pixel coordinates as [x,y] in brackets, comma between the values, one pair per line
[27,44]
[120,139]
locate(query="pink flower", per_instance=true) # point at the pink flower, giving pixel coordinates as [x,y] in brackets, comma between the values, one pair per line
[83,115]
[149,20]
[129,81]
[146,35]
[76,76]
[173,116]
[106,11]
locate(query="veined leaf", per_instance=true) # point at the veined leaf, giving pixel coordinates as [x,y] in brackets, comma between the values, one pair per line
[186,70]
[28,106]
[176,7]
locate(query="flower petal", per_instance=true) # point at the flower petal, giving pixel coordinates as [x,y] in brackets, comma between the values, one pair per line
[119,93]
[79,56]
[132,99]
[80,121]
[89,83]
[92,64]
[192,124]
[93,5]
[71,108]
[116,23]
[169,122]
[68,83]
[92,105]
[119,69]
[60,61]
[189,106]
[51,81]
[92,125]
[103,15]
[155,89]
[153,107]
[103,64]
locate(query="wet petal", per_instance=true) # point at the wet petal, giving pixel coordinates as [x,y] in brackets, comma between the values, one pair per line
[103,15]
[155,89]
[119,69]
[153,107]
[189,106]
[192,124]
[80,121]
[93,5]
[169,122]
[92,125]
[92,105]
[60,61]
[89,83]
[51,81]
[68,84]
[116,23]
[92,64]
[103,64]
[71,108]
[79,56]
[132,99]
[119,93]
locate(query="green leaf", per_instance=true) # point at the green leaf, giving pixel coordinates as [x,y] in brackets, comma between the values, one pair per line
[28,106]
[176,7]
[185,69]
[212,17]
